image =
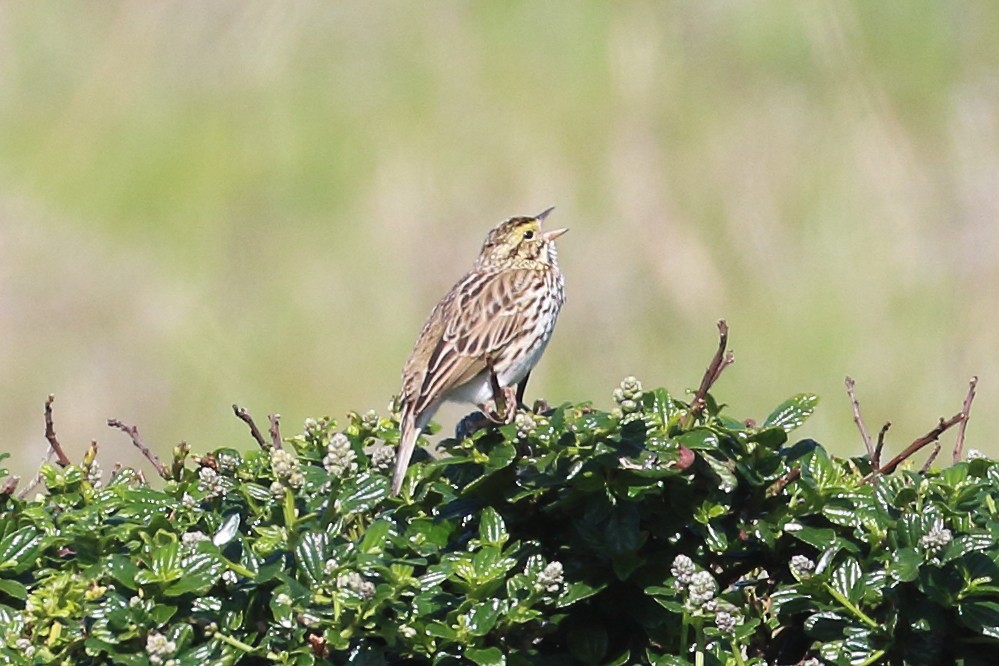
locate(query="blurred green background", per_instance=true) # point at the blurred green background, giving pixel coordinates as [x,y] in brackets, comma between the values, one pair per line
[208,203]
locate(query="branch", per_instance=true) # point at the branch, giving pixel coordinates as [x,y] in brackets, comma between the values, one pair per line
[133,432]
[782,482]
[859,420]
[933,456]
[968,399]
[275,430]
[50,435]
[928,438]
[245,417]
[38,475]
[718,364]
[876,461]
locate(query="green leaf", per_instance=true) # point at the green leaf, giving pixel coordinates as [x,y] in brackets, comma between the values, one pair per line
[791,413]
[201,572]
[13,588]
[904,564]
[123,569]
[981,617]
[482,618]
[20,549]
[492,529]
[846,578]
[362,493]
[486,657]
[228,531]
[374,540]
[310,554]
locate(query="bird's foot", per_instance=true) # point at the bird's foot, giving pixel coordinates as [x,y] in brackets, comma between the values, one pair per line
[504,409]
[540,407]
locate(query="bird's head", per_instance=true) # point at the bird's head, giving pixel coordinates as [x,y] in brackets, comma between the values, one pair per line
[520,243]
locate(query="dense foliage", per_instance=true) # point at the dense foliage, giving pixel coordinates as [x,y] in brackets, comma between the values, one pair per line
[643,535]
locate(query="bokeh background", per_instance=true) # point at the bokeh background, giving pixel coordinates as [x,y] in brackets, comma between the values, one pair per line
[208,203]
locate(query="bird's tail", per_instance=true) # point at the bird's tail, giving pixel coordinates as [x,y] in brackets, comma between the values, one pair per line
[404,452]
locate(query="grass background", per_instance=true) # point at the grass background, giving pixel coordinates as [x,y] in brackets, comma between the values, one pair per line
[203,204]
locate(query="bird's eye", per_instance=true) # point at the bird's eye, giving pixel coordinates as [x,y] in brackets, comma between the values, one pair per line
[529,234]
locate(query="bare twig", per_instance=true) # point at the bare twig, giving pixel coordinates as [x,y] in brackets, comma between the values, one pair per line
[968,399]
[859,420]
[933,456]
[275,430]
[245,417]
[928,438]
[49,454]
[721,360]
[50,435]
[876,461]
[783,482]
[133,432]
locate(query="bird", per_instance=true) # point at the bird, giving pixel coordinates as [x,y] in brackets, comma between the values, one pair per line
[486,334]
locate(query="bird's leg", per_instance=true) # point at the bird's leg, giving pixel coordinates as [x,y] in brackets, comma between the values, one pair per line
[521,389]
[540,406]
[503,407]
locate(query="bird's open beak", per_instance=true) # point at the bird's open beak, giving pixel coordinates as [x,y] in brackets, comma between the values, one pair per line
[540,217]
[553,234]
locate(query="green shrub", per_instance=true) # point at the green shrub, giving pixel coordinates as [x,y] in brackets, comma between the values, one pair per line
[641,535]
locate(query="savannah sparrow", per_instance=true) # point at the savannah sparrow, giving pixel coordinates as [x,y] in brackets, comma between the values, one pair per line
[484,337]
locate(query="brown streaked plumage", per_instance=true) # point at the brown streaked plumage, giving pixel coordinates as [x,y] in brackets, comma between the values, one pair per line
[484,337]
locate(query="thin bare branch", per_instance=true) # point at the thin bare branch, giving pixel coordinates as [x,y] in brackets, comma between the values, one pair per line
[918,444]
[721,360]
[876,461]
[933,456]
[968,399]
[50,435]
[783,482]
[859,420]
[49,456]
[275,430]
[245,417]
[133,432]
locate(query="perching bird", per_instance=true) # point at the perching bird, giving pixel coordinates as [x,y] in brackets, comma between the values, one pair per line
[484,337]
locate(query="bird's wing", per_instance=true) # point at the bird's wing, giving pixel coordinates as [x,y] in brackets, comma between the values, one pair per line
[477,319]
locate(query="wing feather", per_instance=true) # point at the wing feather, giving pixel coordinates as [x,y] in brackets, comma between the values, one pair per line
[471,327]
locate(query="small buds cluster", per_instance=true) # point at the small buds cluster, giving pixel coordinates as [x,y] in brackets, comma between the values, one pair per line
[355,583]
[802,568]
[382,457]
[702,590]
[94,474]
[727,621]
[699,586]
[682,569]
[937,538]
[340,459]
[188,501]
[525,423]
[550,578]
[286,469]
[370,419]
[25,647]
[227,462]
[211,483]
[159,648]
[330,566]
[191,539]
[629,395]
